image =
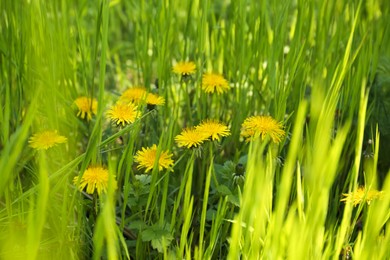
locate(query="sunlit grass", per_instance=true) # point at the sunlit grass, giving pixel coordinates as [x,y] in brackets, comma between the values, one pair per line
[194,129]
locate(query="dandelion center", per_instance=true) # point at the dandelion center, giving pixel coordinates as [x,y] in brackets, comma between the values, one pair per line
[154,99]
[86,106]
[191,137]
[213,129]
[214,83]
[361,195]
[184,68]
[46,140]
[262,126]
[147,157]
[123,113]
[94,178]
[135,94]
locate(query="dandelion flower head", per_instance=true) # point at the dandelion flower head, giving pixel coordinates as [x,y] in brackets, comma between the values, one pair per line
[134,94]
[184,68]
[256,126]
[147,157]
[361,195]
[86,106]
[140,95]
[191,137]
[214,83]
[94,178]
[123,113]
[45,140]
[213,129]
[154,99]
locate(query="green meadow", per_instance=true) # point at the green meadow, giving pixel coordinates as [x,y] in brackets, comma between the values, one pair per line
[238,129]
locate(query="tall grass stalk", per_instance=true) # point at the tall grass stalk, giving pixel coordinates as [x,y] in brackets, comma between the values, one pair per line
[320,68]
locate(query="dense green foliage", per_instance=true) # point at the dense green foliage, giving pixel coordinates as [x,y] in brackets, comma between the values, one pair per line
[322,68]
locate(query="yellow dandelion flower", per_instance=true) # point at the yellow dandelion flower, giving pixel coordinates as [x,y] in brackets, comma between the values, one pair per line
[123,113]
[190,137]
[361,195]
[135,94]
[147,157]
[153,99]
[256,126]
[213,129]
[184,68]
[214,83]
[94,178]
[45,140]
[86,106]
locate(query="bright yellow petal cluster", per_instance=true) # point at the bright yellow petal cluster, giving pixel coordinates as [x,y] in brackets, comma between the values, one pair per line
[214,83]
[263,126]
[362,195]
[147,157]
[213,129]
[191,137]
[45,140]
[94,178]
[154,99]
[123,113]
[184,68]
[135,94]
[140,95]
[86,106]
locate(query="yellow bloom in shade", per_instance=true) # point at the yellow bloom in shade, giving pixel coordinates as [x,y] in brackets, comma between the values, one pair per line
[147,157]
[123,113]
[213,129]
[45,140]
[154,99]
[86,106]
[135,94]
[362,195]
[214,83]
[191,137]
[184,68]
[140,95]
[94,178]
[256,126]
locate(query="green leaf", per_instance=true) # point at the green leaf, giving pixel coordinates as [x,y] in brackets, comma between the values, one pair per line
[160,237]
[210,214]
[162,242]
[144,178]
[137,224]
[224,190]
[154,232]
[234,200]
